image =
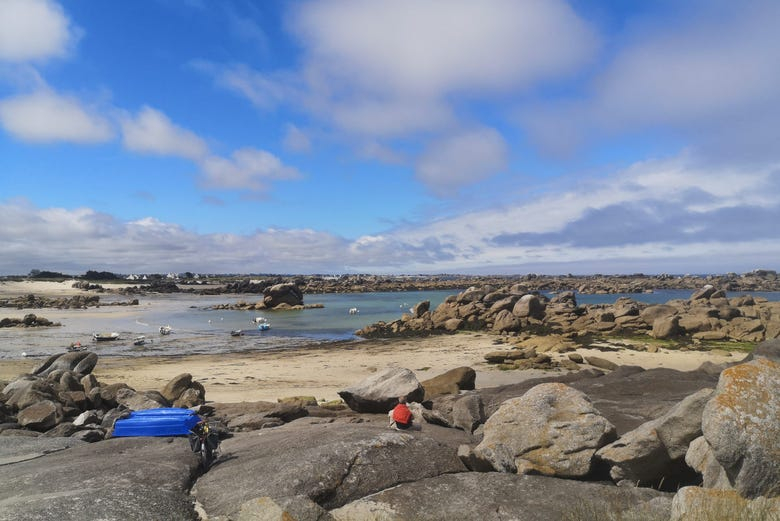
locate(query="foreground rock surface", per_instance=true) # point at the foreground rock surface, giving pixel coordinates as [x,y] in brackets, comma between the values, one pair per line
[495,497]
[118,479]
[552,429]
[742,426]
[328,463]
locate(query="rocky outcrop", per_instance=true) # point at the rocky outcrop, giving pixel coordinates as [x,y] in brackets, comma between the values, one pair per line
[653,453]
[380,392]
[282,295]
[29,320]
[702,503]
[72,302]
[511,310]
[451,382]
[63,398]
[320,463]
[553,429]
[740,424]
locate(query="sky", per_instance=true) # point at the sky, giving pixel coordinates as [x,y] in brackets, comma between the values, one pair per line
[389,137]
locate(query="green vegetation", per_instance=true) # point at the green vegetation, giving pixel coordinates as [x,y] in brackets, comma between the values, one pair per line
[674,344]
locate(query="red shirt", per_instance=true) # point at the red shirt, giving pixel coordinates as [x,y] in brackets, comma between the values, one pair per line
[402,414]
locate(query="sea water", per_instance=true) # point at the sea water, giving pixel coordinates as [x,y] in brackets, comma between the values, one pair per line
[199,328]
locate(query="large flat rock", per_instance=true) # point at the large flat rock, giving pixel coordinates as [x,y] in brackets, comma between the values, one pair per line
[328,463]
[14,449]
[118,479]
[497,496]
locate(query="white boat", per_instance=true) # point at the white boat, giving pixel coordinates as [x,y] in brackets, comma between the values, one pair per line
[140,340]
[101,337]
[354,311]
[262,323]
[165,330]
[236,332]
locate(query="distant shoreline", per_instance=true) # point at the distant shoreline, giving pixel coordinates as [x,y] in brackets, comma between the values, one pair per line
[757,280]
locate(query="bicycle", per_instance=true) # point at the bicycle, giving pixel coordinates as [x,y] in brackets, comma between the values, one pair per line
[205,443]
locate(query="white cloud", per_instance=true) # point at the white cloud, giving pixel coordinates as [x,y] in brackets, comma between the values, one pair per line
[46,116]
[429,48]
[712,77]
[296,139]
[152,132]
[462,159]
[248,168]
[33,30]
[672,215]
[391,69]
[151,245]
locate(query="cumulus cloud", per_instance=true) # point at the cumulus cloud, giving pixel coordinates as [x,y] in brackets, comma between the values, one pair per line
[247,168]
[383,70]
[462,159]
[152,132]
[713,76]
[33,30]
[46,116]
[434,47]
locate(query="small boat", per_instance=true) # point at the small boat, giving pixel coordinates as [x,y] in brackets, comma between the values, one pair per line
[76,346]
[157,422]
[236,332]
[262,324]
[140,340]
[354,311]
[166,330]
[102,337]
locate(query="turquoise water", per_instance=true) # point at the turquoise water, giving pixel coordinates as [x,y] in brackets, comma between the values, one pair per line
[197,328]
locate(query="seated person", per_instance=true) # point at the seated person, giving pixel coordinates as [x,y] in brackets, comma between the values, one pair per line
[401,415]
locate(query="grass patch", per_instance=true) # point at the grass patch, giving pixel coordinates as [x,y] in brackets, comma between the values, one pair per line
[674,344]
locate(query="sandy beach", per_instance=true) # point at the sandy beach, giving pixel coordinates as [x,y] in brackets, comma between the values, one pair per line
[324,370]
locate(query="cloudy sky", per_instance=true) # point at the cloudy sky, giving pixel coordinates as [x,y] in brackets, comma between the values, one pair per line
[412,136]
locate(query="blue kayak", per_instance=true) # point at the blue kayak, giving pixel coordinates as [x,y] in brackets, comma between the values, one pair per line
[168,421]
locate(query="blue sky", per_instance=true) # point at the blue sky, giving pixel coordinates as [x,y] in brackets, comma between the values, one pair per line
[413,136]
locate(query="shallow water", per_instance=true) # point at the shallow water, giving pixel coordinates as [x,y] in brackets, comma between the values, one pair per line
[199,329]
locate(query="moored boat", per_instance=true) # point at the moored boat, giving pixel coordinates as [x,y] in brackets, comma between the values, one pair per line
[140,340]
[262,323]
[102,337]
[236,332]
[76,346]
[165,330]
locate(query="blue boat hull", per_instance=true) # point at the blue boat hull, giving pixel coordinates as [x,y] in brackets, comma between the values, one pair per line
[157,422]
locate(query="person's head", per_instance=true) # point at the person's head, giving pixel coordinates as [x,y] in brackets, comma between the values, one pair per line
[402,399]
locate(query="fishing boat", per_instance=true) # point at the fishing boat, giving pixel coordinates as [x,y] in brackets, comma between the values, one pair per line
[236,332]
[140,340]
[102,337]
[165,330]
